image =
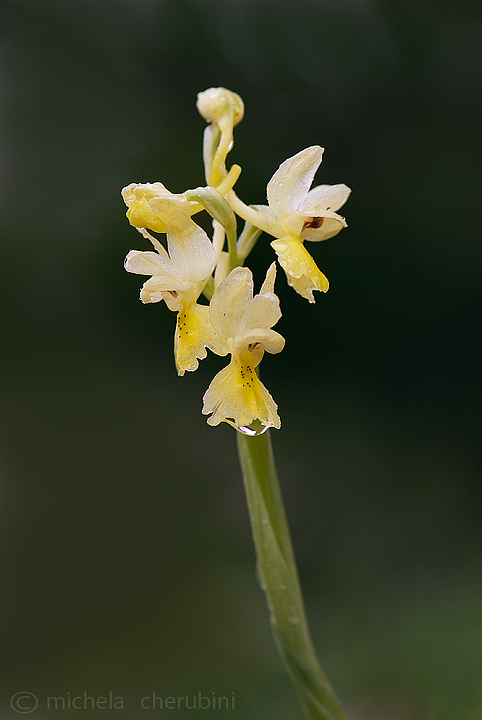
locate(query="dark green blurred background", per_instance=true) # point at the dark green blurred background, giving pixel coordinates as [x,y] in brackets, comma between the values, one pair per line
[127,560]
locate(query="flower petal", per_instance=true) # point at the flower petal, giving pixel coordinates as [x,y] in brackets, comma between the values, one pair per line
[230,302]
[237,396]
[164,277]
[329,227]
[147,262]
[289,186]
[261,313]
[190,249]
[161,288]
[271,341]
[268,284]
[325,197]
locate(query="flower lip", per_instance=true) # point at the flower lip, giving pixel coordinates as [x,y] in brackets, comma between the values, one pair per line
[237,396]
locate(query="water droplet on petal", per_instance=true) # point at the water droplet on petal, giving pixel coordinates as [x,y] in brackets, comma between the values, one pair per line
[252,432]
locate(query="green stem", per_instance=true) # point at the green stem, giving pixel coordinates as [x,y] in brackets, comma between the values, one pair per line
[279,578]
[247,240]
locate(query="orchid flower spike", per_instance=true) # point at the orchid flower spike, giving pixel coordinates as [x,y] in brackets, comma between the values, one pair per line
[244,322]
[178,276]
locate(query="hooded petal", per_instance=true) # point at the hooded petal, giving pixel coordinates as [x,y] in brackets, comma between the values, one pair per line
[267,339]
[322,228]
[160,287]
[238,397]
[289,186]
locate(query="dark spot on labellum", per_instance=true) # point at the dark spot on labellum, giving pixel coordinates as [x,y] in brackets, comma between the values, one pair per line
[315,223]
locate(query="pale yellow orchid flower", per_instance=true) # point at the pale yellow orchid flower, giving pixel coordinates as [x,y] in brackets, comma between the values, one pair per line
[294,214]
[236,395]
[178,276]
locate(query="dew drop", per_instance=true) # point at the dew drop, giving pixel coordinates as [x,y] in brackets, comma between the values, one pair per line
[251,431]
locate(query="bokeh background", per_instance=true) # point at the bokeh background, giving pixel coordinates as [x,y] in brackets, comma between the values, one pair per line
[127,561]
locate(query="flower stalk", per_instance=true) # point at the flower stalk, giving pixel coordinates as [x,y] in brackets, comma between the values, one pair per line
[279,578]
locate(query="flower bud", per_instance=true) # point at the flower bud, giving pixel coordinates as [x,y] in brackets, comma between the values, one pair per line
[220,106]
[141,214]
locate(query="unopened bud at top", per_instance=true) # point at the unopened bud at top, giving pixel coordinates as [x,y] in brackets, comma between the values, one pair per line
[220,106]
